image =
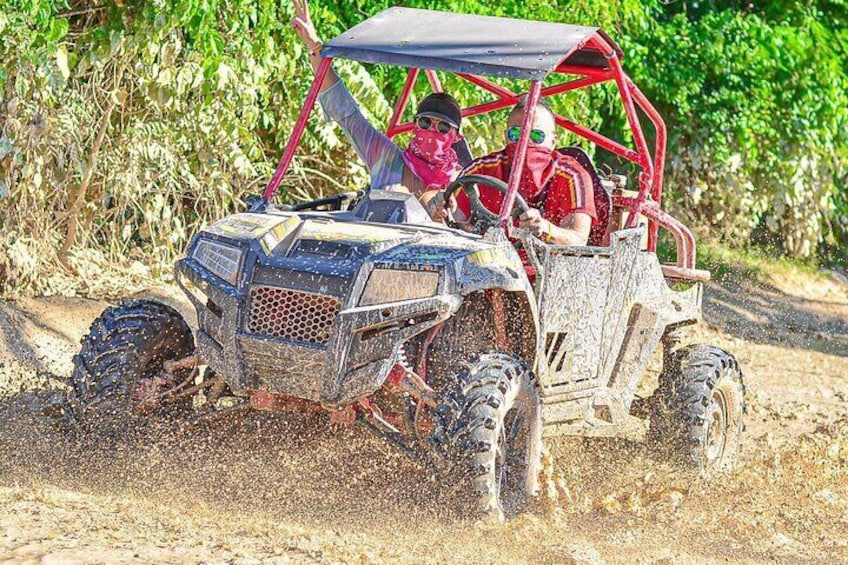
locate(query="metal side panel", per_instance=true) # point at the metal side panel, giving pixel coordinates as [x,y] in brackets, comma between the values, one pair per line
[643,335]
[625,279]
[571,311]
[563,412]
[673,306]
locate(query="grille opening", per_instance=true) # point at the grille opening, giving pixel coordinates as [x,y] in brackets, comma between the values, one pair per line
[291,314]
[555,351]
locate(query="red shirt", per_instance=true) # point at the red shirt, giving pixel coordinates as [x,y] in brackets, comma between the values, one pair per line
[569,190]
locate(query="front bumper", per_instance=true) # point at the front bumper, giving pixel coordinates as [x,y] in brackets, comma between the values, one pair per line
[316,351]
[363,346]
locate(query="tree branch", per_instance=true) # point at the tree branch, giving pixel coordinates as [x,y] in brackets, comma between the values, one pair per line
[81,11]
[78,199]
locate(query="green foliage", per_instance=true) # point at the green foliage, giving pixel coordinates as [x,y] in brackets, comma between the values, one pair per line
[752,264]
[196,98]
[194,116]
[758,109]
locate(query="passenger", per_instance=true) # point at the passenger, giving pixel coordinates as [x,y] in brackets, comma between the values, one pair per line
[556,187]
[428,162]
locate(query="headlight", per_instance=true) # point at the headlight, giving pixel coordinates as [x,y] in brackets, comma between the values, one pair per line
[222,260]
[395,285]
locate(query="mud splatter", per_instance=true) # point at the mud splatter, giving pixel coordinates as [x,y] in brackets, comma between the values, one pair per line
[274,489]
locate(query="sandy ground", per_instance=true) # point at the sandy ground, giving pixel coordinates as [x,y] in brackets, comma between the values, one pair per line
[270,489]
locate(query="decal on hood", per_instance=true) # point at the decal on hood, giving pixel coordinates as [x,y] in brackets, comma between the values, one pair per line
[353,233]
[427,253]
[246,226]
[278,233]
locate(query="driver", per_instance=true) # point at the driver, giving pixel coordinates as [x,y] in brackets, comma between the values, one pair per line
[556,187]
[428,162]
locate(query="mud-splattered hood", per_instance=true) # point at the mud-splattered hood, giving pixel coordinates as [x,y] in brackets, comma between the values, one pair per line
[316,306]
[278,235]
[337,246]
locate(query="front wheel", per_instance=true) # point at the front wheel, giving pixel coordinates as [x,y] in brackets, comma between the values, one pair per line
[489,428]
[699,407]
[118,373]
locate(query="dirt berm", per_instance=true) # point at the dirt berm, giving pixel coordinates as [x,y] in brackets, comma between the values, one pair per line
[267,489]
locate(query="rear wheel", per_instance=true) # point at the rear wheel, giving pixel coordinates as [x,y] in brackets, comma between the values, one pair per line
[118,373]
[488,426]
[699,407]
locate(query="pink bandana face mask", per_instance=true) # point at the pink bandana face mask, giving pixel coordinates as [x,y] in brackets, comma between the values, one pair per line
[538,169]
[431,157]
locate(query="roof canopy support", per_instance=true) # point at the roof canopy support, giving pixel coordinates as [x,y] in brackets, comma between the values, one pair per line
[520,151]
[506,98]
[473,46]
[299,127]
[411,77]
[433,78]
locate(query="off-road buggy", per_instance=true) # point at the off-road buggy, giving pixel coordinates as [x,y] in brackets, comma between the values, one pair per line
[360,306]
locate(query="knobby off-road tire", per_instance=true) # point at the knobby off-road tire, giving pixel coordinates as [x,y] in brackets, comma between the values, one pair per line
[124,349]
[489,428]
[700,406]
[468,332]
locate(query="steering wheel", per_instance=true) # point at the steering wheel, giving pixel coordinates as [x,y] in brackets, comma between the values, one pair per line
[482,217]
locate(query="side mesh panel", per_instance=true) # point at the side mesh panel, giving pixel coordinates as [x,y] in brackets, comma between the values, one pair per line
[290,314]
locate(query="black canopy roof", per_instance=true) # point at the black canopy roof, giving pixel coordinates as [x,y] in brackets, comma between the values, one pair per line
[481,45]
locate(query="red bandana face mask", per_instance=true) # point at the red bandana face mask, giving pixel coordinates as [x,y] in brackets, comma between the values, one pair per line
[538,170]
[431,157]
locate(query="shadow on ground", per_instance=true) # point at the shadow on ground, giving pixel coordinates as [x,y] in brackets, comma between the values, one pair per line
[762,313]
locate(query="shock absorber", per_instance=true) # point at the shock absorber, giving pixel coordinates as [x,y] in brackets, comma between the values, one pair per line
[407,380]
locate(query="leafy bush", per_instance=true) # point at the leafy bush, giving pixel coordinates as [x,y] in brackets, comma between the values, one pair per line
[150,123]
[124,127]
[758,112]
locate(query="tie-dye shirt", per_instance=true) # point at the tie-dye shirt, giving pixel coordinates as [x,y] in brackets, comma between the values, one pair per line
[383,158]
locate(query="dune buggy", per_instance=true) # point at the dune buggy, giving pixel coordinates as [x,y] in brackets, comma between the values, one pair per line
[360,306]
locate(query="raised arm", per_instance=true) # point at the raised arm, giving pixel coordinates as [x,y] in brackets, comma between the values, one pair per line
[373,147]
[302,24]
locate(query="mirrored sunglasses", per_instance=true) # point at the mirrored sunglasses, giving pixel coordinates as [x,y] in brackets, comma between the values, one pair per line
[536,135]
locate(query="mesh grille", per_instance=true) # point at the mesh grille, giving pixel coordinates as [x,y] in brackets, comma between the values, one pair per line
[289,314]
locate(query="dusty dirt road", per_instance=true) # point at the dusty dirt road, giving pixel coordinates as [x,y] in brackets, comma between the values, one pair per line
[268,490]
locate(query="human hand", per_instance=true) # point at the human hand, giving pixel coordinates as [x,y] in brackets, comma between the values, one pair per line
[397,187]
[434,203]
[533,222]
[303,25]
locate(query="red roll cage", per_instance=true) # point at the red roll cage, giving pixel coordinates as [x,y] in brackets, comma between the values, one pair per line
[576,76]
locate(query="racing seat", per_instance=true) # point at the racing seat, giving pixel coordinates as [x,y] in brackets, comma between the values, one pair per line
[599,235]
[463,152]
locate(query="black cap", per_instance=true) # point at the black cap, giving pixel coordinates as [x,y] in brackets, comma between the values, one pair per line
[443,106]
